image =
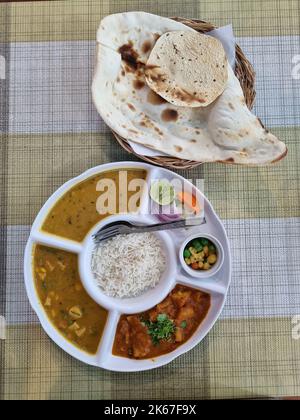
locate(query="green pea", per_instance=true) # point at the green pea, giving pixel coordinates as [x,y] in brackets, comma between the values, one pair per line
[196,244]
[187,254]
[183,325]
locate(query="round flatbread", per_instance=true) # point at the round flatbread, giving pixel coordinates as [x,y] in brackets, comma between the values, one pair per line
[187,68]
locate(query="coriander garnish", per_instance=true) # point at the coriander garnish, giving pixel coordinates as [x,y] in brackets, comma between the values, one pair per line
[162,329]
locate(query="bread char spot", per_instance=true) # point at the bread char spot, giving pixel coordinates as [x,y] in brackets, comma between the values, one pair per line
[130,57]
[151,67]
[149,124]
[187,97]
[153,72]
[131,107]
[154,99]
[146,122]
[243,133]
[146,47]
[158,130]
[259,123]
[133,131]
[156,37]
[138,84]
[169,115]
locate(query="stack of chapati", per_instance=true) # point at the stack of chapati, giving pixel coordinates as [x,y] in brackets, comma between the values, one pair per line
[163,85]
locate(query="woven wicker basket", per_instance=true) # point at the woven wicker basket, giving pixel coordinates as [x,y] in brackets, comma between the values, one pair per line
[244,72]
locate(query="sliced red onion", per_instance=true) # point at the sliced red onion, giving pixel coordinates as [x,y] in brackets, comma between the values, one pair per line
[165,213]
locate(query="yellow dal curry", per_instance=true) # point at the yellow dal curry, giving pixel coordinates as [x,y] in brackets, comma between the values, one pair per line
[76,214]
[68,306]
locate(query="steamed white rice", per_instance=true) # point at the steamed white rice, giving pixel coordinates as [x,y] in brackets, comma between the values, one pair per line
[128,265]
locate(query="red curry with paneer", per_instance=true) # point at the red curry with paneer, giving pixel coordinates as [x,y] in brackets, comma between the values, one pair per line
[164,328]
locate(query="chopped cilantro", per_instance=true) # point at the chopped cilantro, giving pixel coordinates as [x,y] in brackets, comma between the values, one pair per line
[162,329]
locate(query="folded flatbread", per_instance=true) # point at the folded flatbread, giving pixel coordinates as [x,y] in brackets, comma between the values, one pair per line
[225,131]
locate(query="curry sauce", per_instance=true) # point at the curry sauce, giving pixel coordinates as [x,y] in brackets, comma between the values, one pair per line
[164,328]
[75,214]
[70,309]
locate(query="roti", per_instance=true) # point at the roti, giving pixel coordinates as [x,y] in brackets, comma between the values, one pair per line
[187,68]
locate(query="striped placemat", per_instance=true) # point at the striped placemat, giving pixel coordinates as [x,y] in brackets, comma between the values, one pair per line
[50,132]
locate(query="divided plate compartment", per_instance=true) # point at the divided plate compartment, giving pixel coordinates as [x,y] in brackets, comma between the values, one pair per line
[217,286]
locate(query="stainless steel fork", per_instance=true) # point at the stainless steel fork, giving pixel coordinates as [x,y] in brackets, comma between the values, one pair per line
[127,228]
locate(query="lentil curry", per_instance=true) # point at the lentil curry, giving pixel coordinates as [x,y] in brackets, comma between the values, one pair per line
[164,328]
[75,214]
[70,309]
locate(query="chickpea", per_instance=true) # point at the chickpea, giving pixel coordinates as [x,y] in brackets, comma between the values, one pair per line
[206,250]
[192,251]
[201,265]
[202,255]
[212,259]
[206,266]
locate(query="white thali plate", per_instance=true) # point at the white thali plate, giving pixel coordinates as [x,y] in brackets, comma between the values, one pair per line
[217,285]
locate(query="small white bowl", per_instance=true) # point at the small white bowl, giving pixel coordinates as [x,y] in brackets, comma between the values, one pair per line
[205,273]
[133,305]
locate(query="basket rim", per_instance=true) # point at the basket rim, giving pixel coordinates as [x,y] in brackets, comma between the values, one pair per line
[245,73]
